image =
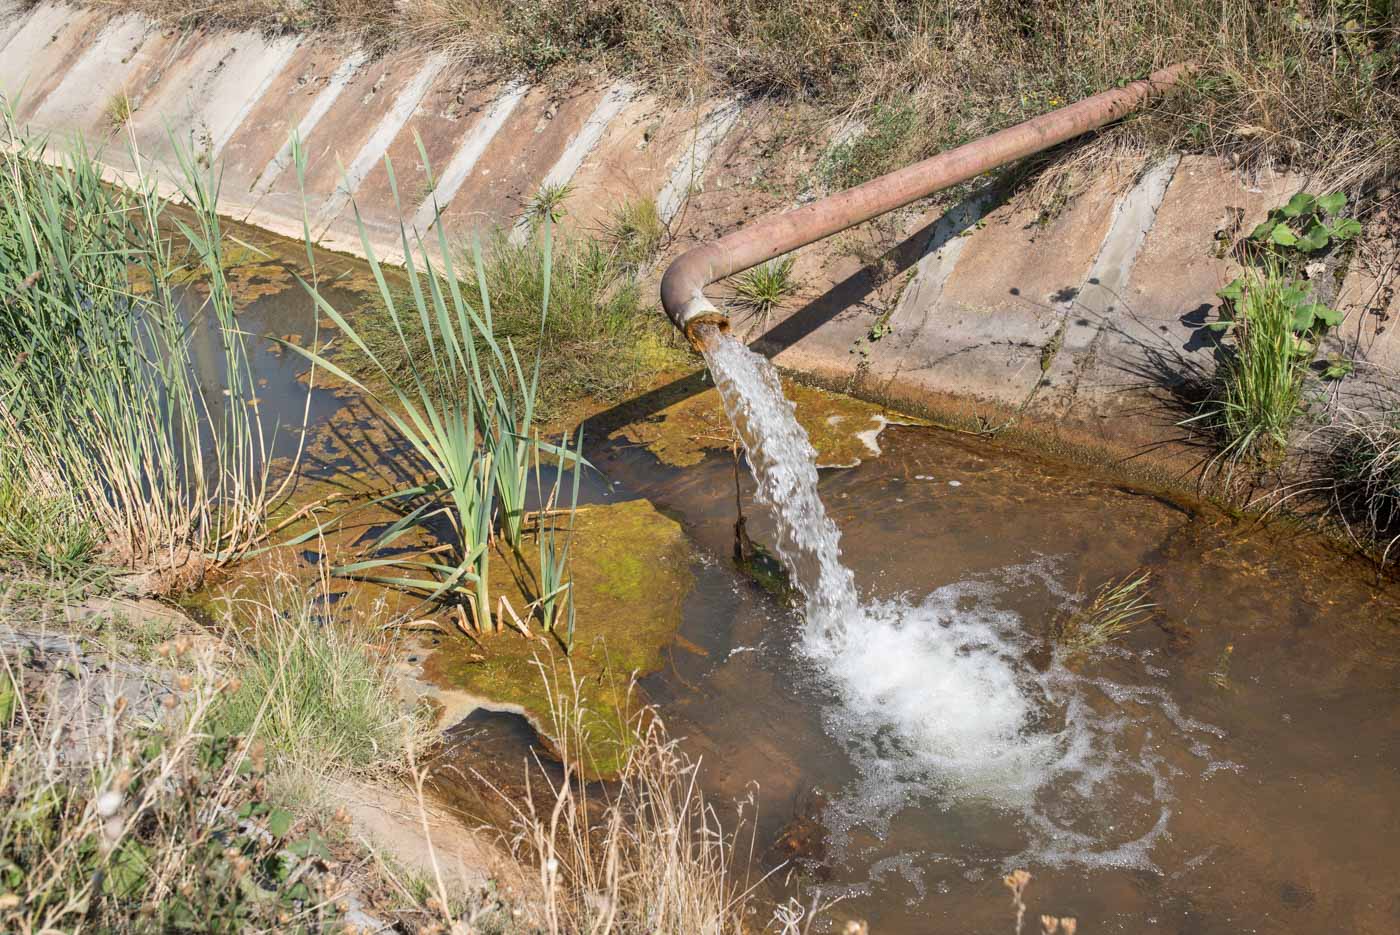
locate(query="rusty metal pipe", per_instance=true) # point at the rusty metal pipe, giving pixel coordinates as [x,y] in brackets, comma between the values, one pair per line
[683,285]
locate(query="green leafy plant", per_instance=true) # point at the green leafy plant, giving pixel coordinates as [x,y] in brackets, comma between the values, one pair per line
[1306,224]
[1306,317]
[1273,321]
[1258,389]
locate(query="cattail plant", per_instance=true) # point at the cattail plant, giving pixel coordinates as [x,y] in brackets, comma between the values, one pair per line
[465,409]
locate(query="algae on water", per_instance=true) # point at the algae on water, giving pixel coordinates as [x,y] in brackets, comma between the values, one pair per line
[631,574]
[842,429]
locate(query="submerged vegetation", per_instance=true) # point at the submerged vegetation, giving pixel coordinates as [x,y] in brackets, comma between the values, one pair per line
[1116,609]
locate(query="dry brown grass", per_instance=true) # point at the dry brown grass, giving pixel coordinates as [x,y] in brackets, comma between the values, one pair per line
[1361,467]
[1312,85]
[645,853]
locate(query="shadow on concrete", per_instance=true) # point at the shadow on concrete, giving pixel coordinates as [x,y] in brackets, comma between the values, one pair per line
[841,296]
[854,289]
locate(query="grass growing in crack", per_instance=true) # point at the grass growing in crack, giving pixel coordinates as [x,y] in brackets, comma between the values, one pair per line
[548,203]
[1116,609]
[636,232]
[119,110]
[1258,393]
[1363,466]
[765,287]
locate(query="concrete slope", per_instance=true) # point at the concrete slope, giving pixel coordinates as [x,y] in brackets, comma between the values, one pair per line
[1090,318]
[1091,323]
[405,138]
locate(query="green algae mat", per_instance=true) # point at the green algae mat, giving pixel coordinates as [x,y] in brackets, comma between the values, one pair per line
[631,574]
[843,430]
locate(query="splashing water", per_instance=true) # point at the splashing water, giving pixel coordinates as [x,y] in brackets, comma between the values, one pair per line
[936,696]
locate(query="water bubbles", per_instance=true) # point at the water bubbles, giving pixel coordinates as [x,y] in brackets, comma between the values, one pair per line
[935,699]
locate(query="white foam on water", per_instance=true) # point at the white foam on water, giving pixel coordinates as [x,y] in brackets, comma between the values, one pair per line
[935,700]
[951,684]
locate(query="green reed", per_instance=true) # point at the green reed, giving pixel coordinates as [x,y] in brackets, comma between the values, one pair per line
[100,400]
[463,403]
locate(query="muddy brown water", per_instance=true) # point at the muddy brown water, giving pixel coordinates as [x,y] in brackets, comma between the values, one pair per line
[1260,699]
[1263,692]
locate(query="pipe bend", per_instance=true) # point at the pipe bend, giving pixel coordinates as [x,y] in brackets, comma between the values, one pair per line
[683,284]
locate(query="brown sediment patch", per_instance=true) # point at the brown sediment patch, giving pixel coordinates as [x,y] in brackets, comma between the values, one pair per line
[843,430]
[630,573]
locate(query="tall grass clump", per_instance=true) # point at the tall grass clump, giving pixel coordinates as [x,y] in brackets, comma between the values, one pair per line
[1363,466]
[636,232]
[42,529]
[101,399]
[1258,394]
[765,287]
[600,338]
[453,386]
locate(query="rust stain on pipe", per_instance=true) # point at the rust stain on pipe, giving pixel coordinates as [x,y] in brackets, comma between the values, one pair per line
[683,285]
